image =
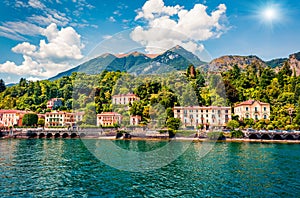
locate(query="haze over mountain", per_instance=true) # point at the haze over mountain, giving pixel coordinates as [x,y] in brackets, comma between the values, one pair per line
[174,59]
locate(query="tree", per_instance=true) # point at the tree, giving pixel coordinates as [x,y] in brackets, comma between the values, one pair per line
[2,86]
[232,124]
[41,122]
[173,123]
[30,119]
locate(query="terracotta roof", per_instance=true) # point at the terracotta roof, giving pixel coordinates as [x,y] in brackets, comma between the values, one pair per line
[109,113]
[13,111]
[250,102]
[122,95]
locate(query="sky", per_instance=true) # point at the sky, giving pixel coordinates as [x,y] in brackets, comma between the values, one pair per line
[40,38]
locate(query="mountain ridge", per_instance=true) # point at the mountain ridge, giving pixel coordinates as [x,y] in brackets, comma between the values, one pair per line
[176,58]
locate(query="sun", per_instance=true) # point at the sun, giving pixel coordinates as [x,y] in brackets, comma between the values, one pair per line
[270,14]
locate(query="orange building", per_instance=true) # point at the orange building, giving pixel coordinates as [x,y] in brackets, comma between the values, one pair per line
[108,119]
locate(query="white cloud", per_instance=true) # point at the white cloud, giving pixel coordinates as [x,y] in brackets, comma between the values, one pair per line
[15,30]
[168,26]
[112,19]
[51,56]
[156,7]
[36,4]
[107,37]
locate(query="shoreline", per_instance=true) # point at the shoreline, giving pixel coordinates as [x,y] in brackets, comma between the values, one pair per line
[238,140]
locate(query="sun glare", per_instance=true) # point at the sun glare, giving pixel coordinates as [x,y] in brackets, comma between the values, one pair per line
[270,14]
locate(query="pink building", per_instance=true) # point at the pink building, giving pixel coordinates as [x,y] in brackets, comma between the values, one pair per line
[54,102]
[135,120]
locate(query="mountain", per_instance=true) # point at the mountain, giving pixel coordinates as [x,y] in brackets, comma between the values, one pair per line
[276,62]
[176,58]
[225,63]
[294,61]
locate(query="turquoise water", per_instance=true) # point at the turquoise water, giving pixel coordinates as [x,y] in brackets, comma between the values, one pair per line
[65,168]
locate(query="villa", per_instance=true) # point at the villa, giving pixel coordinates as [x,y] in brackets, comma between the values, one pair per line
[124,99]
[54,103]
[252,109]
[62,118]
[196,115]
[108,119]
[11,117]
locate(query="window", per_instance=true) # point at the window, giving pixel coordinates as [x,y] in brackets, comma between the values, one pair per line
[247,108]
[265,108]
[206,111]
[178,111]
[256,117]
[265,116]
[255,109]
[247,116]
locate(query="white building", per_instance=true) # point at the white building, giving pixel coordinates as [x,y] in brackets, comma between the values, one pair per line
[196,115]
[124,99]
[11,117]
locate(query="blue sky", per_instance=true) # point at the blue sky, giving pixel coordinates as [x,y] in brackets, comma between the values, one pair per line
[39,39]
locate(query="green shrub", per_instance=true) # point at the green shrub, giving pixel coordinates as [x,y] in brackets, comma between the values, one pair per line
[236,134]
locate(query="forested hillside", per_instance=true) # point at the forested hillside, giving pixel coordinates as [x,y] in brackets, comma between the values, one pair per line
[254,81]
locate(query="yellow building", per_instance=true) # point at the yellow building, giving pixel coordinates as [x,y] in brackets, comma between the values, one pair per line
[62,118]
[252,109]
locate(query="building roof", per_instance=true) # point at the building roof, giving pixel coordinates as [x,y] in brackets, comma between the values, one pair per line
[122,95]
[108,114]
[13,111]
[250,102]
[201,107]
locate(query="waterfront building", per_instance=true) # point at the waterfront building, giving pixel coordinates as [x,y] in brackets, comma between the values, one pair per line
[193,116]
[252,109]
[124,99]
[12,117]
[135,120]
[62,118]
[108,119]
[54,103]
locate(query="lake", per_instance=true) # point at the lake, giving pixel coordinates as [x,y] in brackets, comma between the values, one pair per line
[67,168]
